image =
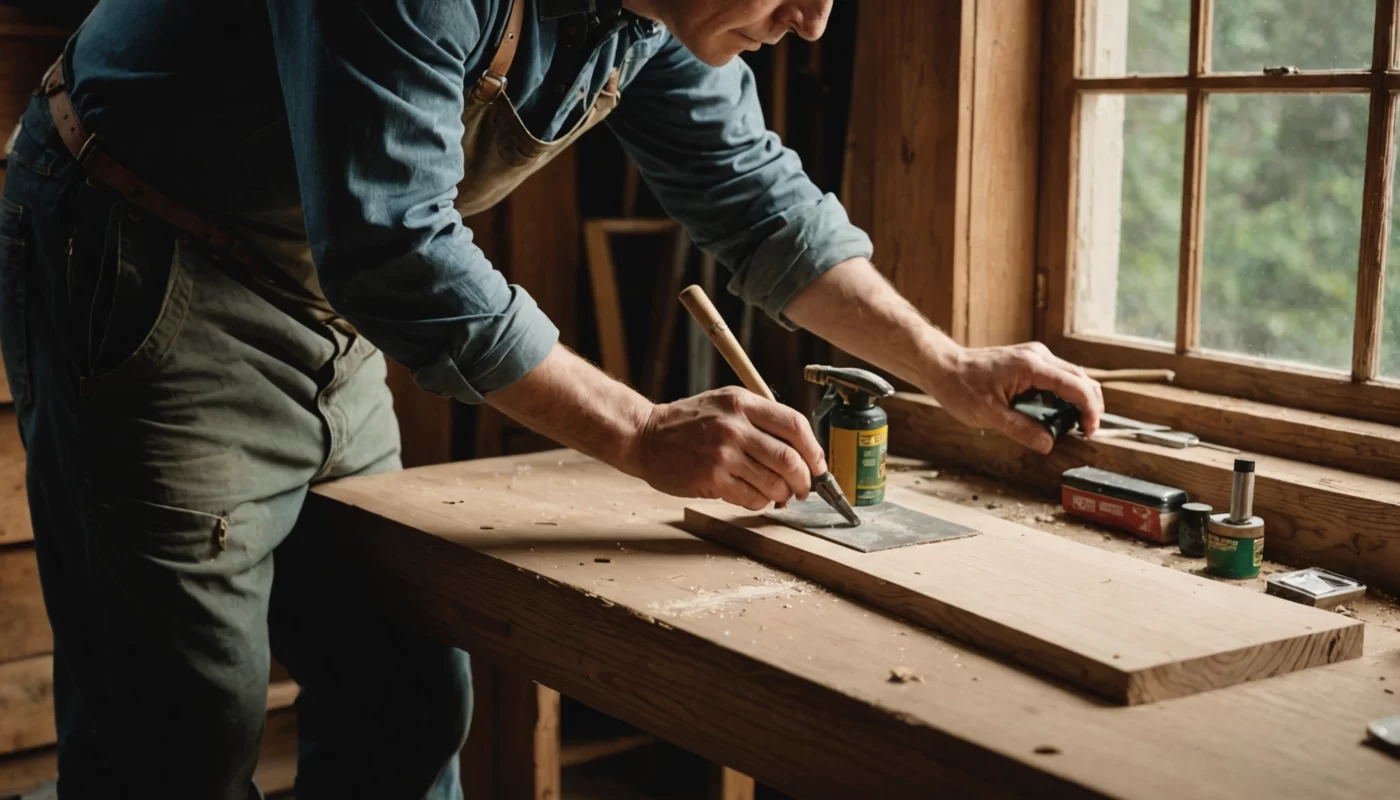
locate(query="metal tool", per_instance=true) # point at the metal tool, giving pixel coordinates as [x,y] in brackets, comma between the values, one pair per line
[882,527]
[1165,437]
[698,304]
[854,429]
[1057,415]
[1315,586]
[1384,734]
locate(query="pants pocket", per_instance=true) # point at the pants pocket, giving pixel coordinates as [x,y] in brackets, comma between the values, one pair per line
[142,309]
[165,533]
[14,314]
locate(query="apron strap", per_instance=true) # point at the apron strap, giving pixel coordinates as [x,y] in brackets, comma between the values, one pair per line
[493,82]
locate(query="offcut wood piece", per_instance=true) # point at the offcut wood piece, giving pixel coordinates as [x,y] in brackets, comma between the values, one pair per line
[14,502]
[24,625]
[1091,618]
[795,690]
[1367,448]
[1314,516]
[726,784]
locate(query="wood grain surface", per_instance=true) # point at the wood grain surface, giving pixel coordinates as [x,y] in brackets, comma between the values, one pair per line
[14,502]
[1091,618]
[579,577]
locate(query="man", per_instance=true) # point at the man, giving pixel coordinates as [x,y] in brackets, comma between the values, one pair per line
[177,398]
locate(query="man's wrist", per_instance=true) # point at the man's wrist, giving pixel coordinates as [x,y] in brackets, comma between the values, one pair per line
[939,359]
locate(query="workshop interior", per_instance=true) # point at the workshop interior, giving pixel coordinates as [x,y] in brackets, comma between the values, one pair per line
[699,399]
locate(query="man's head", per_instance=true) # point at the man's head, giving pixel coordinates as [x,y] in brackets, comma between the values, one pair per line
[718,30]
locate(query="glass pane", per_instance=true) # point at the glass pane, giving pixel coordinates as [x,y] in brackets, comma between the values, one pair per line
[1129,215]
[1249,35]
[1282,225]
[1136,37]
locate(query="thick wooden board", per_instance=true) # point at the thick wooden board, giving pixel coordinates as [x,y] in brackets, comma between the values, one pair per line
[771,675]
[1314,516]
[1106,623]
[24,625]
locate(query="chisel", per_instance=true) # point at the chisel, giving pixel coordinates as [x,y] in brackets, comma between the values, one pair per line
[698,304]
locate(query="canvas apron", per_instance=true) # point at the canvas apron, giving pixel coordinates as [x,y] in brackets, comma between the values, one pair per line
[499,153]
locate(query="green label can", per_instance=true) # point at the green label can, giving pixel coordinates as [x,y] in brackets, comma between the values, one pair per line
[1234,551]
[858,464]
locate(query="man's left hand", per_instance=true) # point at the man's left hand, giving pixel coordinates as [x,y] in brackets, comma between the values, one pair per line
[976,385]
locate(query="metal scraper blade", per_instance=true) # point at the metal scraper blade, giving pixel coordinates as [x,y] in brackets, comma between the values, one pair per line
[882,527]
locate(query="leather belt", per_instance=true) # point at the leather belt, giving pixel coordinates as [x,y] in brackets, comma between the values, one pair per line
[223,244]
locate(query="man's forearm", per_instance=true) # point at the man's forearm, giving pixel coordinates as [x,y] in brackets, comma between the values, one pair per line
[578,405]
[855,308]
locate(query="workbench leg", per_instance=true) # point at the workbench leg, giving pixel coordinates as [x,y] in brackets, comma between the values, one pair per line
[512,752]
[726,784]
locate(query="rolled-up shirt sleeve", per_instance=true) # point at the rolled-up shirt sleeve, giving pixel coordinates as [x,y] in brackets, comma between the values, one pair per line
[698,137]
[374,98]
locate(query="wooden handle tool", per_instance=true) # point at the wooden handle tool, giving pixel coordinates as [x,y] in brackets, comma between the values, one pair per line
[1136,375]
[698,304]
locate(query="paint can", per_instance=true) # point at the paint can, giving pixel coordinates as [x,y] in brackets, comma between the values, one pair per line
[1191,530]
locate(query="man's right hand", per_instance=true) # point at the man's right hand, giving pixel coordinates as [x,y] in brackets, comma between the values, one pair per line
[728,444]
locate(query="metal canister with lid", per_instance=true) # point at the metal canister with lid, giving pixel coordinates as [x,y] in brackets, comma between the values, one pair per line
[1191,530]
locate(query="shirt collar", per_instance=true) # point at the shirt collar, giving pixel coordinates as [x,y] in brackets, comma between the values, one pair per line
[554,9]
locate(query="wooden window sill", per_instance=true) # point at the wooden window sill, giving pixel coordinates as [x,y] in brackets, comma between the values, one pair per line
[1315,515]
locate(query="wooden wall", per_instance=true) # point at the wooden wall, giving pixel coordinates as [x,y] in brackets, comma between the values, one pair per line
[942,157]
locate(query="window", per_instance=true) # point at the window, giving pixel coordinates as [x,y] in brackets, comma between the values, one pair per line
[1216,196]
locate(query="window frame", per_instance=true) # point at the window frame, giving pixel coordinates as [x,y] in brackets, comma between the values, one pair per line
[1362,394]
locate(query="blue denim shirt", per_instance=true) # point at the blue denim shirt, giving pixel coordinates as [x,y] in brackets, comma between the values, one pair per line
[354,108]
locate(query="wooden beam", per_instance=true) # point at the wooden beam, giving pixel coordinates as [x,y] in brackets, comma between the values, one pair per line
[1368,448]
[1059,172]
[26,704]
[24,625]
[1238,375]
[1193,194]
[1375,206]
[1315,516]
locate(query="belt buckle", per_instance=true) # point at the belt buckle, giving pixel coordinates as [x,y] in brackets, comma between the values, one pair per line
[497,82]
[52,82]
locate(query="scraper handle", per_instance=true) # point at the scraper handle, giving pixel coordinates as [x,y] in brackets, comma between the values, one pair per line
[698,304]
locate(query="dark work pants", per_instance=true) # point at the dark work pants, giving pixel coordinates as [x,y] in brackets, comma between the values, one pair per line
[174,420]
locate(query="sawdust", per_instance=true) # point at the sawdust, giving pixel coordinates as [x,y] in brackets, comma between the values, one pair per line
[903,674]
[718,603]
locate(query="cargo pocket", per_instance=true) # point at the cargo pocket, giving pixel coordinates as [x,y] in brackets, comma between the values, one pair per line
[165,534]
[149,300]
[14,315]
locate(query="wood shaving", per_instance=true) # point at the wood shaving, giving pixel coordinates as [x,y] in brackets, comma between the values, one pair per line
[905,675]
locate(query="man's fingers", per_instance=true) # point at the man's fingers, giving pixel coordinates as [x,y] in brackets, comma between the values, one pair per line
[741,493]
[1026,431]
[1077,389]
[790,426]
[777,458]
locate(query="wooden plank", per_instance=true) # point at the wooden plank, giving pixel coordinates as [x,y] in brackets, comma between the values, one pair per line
[1375,206]
[26,704]
[24,772]
[1221,82]
[726,784]
[24,624]
[15,525]
[1004,179]
[581,751]
[1314,516]
[794,690]
[1369,448]
[1085,616]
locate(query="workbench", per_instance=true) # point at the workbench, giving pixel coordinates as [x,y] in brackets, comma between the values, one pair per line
[580,578]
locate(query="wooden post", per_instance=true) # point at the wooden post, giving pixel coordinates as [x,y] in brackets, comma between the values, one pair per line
[726,784]
[512,751]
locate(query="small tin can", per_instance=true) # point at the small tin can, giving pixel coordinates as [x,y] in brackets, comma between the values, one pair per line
[1234,549]
[1191,530]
